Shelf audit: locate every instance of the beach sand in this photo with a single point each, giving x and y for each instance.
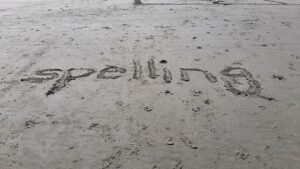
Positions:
(90, 84)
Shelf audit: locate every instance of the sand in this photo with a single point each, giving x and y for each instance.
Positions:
(171, 84)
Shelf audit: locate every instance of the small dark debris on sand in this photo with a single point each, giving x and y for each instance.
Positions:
(196, 92)
(148, 108)
(168, 92)
(243, 155)
(93, 125)
(279, 77)
(187, 142)
(106, 27)
(207, 101)
(170, 141)
(31, 123)
(163, 61)
(196, 109)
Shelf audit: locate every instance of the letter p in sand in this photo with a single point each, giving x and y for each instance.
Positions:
(68, 76)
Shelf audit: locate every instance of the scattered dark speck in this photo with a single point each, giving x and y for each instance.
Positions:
(196, 109)
(30, 123)
(163, 61)
(270, 99)
(243, 155)
(262, 107)
(70, 148)
(168, 92)
(106, 27)
(279, 77)
(55, 122)
(196, 92)
(170, 141)
(148, 108)
(93, 125)
(207, 101)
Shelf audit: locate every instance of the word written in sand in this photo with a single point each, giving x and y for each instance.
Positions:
(232, 76)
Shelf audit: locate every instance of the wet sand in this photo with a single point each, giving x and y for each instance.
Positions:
(89, 84)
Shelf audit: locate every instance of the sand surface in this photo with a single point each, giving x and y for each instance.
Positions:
(8, 4)
(172, 84)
